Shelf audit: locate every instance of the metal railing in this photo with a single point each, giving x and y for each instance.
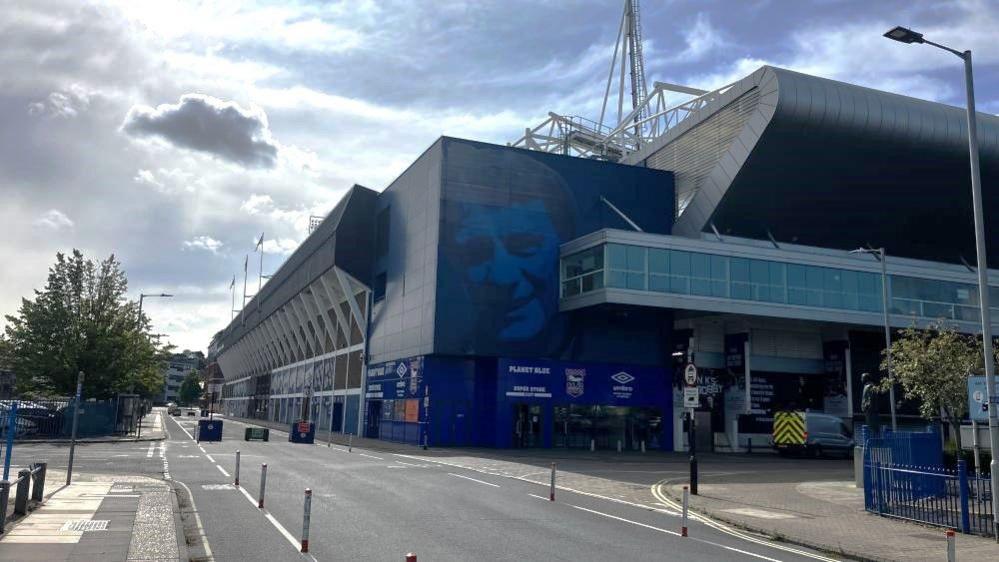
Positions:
(930, 495)
(33, 477)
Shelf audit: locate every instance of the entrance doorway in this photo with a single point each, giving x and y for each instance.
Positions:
(374, 417)
(527, 419)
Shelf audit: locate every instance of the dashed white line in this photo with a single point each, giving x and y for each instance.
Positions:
(222, 470)
(294, 542)
(149, 452)
(539, 497)
(209, 457)
(371, 456)
(473, 479)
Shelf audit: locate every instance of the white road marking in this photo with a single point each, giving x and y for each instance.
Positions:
(674, 533)
(222, 470)
(189, 436)
(473, 479)
(209, 457)
(539, 497)
(371, 456)
(152, 447)
(197, 519)
(277, 525)
(411, 464)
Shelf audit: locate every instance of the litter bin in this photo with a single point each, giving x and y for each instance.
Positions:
(209, 430)
(302, 432)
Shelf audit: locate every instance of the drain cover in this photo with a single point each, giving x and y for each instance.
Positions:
(85, 525)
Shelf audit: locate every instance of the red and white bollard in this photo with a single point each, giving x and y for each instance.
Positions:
(236, 472)
(306, 519)
(410, 557)
(686, 501)
(551, 491)
(263, 484)
(951, 547)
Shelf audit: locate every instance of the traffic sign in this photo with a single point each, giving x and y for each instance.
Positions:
(691, 397)
(690, 375)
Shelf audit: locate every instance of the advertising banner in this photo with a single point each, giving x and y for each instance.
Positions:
(581, 383)
(978, 399)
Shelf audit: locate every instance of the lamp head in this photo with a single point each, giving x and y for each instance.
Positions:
(904, 35)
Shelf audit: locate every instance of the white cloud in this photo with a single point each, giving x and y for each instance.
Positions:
(54, 219)
(282, 246)
(204, 243)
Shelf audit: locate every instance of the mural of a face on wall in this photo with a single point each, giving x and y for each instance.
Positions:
(503, 226)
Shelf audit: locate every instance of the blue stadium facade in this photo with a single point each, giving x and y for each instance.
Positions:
(499, 297)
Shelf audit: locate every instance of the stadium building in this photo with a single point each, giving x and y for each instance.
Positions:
(503, 296)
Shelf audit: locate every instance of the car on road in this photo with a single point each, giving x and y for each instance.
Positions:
(173, 409)
(811, 434)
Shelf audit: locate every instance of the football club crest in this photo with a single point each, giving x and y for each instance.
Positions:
(574, 379)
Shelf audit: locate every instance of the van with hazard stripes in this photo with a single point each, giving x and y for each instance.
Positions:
(811, 433)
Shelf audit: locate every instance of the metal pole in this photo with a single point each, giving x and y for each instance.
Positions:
(11, 430)
(983, 286)
(263, 484)
(305, 519)
(951, 550)
(76, 419)
(686, 502)
(350, 442)
(887, 304)
(237, 469)
(692, 439)
(551, 492)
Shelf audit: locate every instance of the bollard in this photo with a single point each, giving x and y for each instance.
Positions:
(551, 492)
(38, 481)
(643, 445)
(263, 484)
(410, 557)
(21, 495)
(593, 445)
(686, 501)
(4, 498)
(424, 441)
(237, 468)
(350, 442)
(619, 445)
(951, 548)
(305, 519)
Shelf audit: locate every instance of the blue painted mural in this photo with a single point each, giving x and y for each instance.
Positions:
(505, 212)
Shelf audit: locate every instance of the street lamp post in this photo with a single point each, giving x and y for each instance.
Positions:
(882, 256)
(904, 35)
(142, 297)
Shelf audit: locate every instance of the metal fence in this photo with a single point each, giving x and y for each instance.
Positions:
(903, 448)
(930, 495)
(53, 418)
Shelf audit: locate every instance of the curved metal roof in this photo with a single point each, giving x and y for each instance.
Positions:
(825, 163)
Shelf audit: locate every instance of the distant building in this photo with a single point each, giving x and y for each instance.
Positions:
(177, 368)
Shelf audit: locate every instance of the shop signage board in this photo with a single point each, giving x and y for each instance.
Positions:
(579, 383)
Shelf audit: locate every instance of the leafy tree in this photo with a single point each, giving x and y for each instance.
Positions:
(933, 366)
(190, 389)
(82, 321)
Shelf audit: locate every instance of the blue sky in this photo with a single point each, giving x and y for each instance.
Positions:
(173, 133)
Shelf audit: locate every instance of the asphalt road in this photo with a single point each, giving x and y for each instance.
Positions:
(371, 505)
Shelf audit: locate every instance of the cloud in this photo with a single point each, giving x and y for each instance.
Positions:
(282, 246)
(54, 219)
(208, 124)
(204, 243)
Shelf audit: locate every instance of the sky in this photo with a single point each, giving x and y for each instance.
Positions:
(173, 133)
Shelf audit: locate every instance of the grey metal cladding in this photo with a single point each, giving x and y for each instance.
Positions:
(344, 238)
(829, 163)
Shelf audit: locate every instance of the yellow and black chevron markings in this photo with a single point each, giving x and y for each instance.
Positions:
(789, 428)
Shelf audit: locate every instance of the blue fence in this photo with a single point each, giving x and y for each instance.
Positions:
(904, 477)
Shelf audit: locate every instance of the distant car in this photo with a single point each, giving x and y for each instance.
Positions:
(822, 434)
(192, 411)
(173, 409)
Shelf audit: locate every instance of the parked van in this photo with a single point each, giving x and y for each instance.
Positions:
(811, 433)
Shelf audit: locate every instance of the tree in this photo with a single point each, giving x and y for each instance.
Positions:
(933, 366)
(82, 321)
(190, 389)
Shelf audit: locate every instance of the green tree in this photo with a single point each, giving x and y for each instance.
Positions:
(82, 321)
(190, 389)
(932, 366)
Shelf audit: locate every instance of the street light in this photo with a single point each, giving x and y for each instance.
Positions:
(143, 296)
(882, 256)
(904, 35)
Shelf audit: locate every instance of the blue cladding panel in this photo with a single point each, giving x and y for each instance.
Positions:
(504, 214)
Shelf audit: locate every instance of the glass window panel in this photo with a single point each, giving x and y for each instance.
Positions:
(777, 294)
(813, 297)
(636, 258)
(739, 269)
(849, 281)
(719, 289)
(851, 301)
(832, 299)
(719, 268)
(870, 284)
(700, 287)
(678, 284)
(905, 306)
(832, 280)
(679, 262)
(570, 288)
(759, 271)
(813, 277)
(742, 291)
(938, 310)
(636, 281)
(870, 303)
(593, 281)
(761, 292)
(658, 260)
(700, 266)
(617, 255)
(969, 313)
(659, 283)
(617, 279)
(777, 274)
(796, 276)
(797, 296)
